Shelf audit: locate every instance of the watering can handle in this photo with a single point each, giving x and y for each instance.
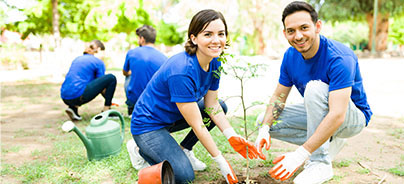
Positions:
(122, 122)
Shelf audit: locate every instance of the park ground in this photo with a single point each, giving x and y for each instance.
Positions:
(32, 114)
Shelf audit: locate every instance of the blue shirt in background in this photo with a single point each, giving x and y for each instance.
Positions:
(143, 62)
(180, 79)
(334, 64)
(82, 71)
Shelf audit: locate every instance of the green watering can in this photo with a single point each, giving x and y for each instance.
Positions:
(104, 136)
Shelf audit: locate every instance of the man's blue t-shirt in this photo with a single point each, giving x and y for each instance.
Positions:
(82, 71)
(334, 64)
(143, 62)
(180, 79)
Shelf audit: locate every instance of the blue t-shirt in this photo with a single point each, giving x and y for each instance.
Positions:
(334, 64)
(180, 79)
(143, 62)
(83, 70)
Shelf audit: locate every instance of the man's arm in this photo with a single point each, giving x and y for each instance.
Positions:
(276, 104)
(126, 73)
(338, 104)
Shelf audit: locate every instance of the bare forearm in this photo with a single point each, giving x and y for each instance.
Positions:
(206, 139)
(274, 109)
(324, 131)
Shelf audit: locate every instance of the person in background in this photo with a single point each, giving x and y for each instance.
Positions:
(140, 65)
(169, 103)
(327, 75)
(85, 80)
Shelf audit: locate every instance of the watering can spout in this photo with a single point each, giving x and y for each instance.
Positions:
(68, 126)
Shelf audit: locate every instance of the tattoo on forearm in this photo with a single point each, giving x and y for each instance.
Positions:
(277, 110)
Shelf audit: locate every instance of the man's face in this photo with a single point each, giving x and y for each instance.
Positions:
(302, 33)
(141, 41)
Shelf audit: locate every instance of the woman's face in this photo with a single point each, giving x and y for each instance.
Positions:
(210, 41)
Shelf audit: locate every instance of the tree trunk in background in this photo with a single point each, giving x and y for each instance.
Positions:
(382, 31)
(55, 22)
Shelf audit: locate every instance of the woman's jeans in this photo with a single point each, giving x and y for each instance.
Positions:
(157, 146)
(95, 87)
(298, 122)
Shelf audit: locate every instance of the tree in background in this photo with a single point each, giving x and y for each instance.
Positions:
(359, 10)
(90, 19)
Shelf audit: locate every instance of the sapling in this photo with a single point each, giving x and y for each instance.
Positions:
(242, 71)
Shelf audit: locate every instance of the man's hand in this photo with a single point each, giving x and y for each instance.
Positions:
(226, 169)
(287, 164)
(240, 145)
(263, 139)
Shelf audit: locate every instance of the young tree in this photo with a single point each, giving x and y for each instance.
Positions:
(242, 71)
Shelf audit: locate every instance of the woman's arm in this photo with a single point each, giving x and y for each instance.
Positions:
(215, 111)
(192, 115)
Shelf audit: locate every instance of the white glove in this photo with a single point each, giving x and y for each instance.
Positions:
(226, 169)
(260, 118)
(287, 164)
(263, 138)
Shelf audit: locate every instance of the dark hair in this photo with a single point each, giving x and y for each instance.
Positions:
(147, 32)
(198, 23)
(93, 46)
(299, 6)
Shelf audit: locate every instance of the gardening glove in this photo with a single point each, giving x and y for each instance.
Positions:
(226, 169)
(287, 164)
(239, 144)
(263, 139)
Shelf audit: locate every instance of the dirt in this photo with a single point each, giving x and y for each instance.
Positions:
(30, 112)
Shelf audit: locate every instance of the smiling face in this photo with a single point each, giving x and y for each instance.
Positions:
(302, 33)
(210, 41)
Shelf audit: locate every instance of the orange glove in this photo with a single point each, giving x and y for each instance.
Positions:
(226, 169)
(263, 139)
(240, 145)
(287, 164)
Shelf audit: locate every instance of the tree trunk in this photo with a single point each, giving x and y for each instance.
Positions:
(55, 22)
(382, 31)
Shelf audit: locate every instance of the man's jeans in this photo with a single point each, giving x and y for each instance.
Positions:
(298, 122)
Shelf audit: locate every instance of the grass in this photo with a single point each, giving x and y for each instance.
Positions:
(343, 163)
(66, 160)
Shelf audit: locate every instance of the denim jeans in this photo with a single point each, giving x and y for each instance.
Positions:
(95, 87)
(298, 122)
(157, 146)
(129, 103)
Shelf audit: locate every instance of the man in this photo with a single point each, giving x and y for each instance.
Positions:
(326, 73)
(140, 65)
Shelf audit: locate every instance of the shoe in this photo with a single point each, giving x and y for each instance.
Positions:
(315, 173)
(73, 114)
(138, 162)
(335, 146)
(197, 165)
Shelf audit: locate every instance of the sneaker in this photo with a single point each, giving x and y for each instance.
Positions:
(315, 173)
(197, 165)
(138, 162)
(335, 146)
(73, 114)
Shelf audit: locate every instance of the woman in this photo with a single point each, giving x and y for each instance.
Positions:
(85, 80)
(172, 95)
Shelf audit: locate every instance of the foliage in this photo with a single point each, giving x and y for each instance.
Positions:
(396, 33)
(93, 19)
(168, 34)
(350, 33)
(342, 10)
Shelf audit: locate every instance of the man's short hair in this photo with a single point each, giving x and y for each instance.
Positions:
(147, 32)
(296, 6)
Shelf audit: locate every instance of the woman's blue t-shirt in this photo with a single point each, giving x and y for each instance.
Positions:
(82, 71)
(334, 64)
(180, 79)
